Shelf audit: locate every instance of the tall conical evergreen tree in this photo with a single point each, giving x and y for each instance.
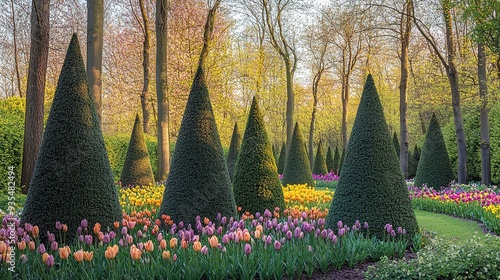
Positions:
(329, 160)
(282, 159)
(434, 167)
(275, 153)
(234, 150)
(319, 161)
(337, 160)
(72, 179)
(413, 159)
(297, 167)
(198, 183)
(137, 169)
(256, 183)
(395, 142)
(372, 187)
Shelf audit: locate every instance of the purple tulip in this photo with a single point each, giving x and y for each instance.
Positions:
(27, 238)
(28, 227)
(140, 246)
(289, 235)
(84, 223)
(223, 220)
(88, 239)
(365, 225)
(124, 230)
(50, 261)
(400, 230)
(248, 249)
(277, 245)
(139, 234)
(324, 233)
(41, 249)
(54, 246)
(58, 225)
(334, 239)
(297, 232)
(340, 224)
(51, 236)
(219, 230)
(341, 232)
(120, 243)
(79, 230)
(393, 233)
(159, 237)
(112, 235)
(204, 250)
(81, 238)
(218, 217)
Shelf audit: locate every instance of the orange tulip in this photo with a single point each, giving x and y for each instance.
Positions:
(135, 253)
(64, 252)
(21, 245)
(97, 228)
(3, 247)
(149, 246)
(197, 246)
(246, 236)
(116, 224)
(184, 244)
(88, 255)
(257, 234)
(31, 245)
(35, 231)
(259, 227)
(78, 255)
(44, 257)
(206, 221)
(111, 252)
(173, 243)
(166, 255)
(163, 244)
(65, 227)
(214, 242)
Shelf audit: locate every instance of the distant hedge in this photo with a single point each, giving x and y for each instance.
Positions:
(11, 138)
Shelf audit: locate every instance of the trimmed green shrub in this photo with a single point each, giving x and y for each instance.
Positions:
(137, 166)
(337, 160)
(72, 179)
(342, 157)
(282, 159)
(117, 146)
(256, 183)
(297, 167)
(198, 182)
(434, 168)
(395, 142)
(413, 158)
(11, 139)
(494, 118)
(234, 150)
(319, 161)
(472, 129)
(329, 159)
(372, 188)
(275, 154)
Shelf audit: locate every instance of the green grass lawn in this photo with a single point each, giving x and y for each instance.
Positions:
(446, 226)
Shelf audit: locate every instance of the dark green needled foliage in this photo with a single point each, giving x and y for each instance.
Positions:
(234, 150)
(275, 154)
(395, 142)
(137, 169)
(337, 160)
(372, 188)
(413, 159)
(256, 183)
(329, 159)
(198, 182)
(297, 167)
(282, 159)
(72, 179)
(320, 162)
(434, 167)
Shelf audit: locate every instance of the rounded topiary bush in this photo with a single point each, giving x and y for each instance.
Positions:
(297, 168)
(256, 183)
(72, 179)
(320, 162)
(11, 138)
(372, 188)
(198, 182)
(234, 150)
(434, 168)
(329, 159)
(137, 169)
(282, 159)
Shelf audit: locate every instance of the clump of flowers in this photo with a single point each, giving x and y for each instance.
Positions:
(141, 197)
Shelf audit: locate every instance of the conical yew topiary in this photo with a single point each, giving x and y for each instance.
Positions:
(234, 150)
(198, 182)
(297, 167)
(137, 169)
(256, 183)
(319, 161)
(413, 159)
(282, 159)
(72, 179)
(329, 159)
(395, 142)
(275, 154)
(434, 167)
(337, 160)
(372, 188)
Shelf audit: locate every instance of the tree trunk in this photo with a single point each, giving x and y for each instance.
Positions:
(35, 92)
(161, 89)
(145, 66)
(485, 129)
(455, 96)
(95, 21)
(316, 80)
(345, 103)
(290, 103)
(406, 23)
(16, 60)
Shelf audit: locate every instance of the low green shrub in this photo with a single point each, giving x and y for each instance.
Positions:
(477, 258)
